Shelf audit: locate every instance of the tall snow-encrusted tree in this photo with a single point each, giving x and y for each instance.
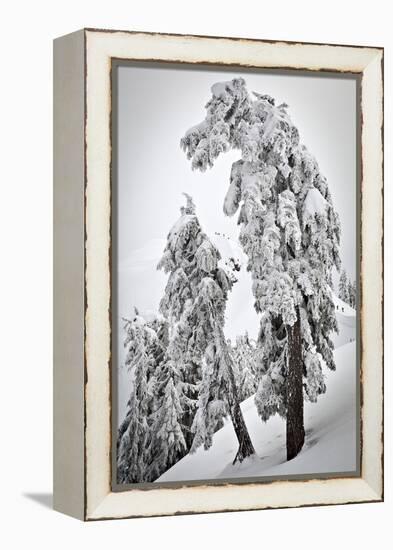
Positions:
(194, 303)
(290, 233)
(133, 443)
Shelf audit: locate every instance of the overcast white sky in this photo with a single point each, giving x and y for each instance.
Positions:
(156, 107)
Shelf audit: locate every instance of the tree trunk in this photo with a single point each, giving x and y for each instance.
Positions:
(186, 421)
(295, 417)
(189, 411)
(246, 447)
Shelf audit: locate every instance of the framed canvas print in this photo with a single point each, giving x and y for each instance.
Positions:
(218, 274)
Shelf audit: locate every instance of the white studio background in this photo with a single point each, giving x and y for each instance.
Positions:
(26, 285)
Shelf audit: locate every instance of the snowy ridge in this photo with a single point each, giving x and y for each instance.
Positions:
(331, 422)
(346, 319)
(143, 258)
(342, 308)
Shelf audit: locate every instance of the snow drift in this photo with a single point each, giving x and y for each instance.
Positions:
(330, 444)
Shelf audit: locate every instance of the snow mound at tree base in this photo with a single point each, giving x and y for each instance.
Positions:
(330, 444)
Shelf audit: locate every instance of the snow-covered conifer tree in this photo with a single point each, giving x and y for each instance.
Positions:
(194, 303)
(245, 360)
(133, 444)
(347, 289)
(343, 293)
(167, 444)
(290, 233)
(177, 306)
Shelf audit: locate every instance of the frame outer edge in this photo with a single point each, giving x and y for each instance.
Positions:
(68, 271)
(101, 502)
(372, 272)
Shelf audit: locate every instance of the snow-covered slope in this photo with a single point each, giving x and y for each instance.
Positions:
(346, 319)
(330, 429)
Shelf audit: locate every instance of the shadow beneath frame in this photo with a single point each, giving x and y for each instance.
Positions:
(44, 499)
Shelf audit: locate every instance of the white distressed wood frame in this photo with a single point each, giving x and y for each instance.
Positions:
(82, 449)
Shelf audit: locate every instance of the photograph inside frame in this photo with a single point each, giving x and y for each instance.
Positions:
(234, 274)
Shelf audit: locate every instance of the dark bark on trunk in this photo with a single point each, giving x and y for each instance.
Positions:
(246, 447)
(295, 415)
(186, 421)
(189, 411)
(187, 433)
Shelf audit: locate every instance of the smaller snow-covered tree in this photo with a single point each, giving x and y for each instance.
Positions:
(166, 444)
(194, 302)
(177, 305)
(245, 360)
(343, 287)
(167, 440)
(347, 289)
(212, 405)
(133, 436)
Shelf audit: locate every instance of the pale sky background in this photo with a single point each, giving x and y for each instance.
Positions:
(155, 108)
